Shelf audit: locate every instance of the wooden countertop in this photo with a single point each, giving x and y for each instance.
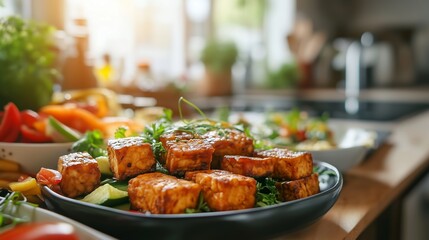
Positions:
(373, 186)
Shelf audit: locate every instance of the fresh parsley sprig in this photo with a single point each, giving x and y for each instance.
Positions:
(266, 193)
(92, 142)
(152, 134)
(201, 206)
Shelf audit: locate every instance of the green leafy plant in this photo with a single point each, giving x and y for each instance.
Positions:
(219, 56)
(26, 63)
(286, 76)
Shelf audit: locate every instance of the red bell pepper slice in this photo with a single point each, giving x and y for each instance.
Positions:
(10, 123)
(30, 135)
(29, 117)
(29, 131)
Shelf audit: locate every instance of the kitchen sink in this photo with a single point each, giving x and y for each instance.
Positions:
(371, 111)
(368, 110)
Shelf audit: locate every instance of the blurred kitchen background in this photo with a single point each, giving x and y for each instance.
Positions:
(160, 49)
(245, 54)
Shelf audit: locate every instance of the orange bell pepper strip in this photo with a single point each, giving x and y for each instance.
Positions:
(76, 118)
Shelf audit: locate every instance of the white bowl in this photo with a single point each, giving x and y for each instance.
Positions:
(37, 214)
(342, 158)
(354, 144)
(33, 156)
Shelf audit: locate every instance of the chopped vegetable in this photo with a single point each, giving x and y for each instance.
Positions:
(59, 132)
(121, 185)
(28, 186)
(103, 165)
(32, 130)
(29, 117)
(10, 123)
(48, 177)
(29, 135)
(107, 195)
(75, 118)
(41, 230)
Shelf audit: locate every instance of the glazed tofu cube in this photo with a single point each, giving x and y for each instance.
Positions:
(224, 190)
(167, 139)
(248, 166)
(175, 136)
(188, 155)
(301, 188)
(289, 165)
(159, 193)
(228, 142)
(80, 174)
(129, 157)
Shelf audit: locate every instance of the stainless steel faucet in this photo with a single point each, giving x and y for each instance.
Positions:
(354, 74)
(353, 77)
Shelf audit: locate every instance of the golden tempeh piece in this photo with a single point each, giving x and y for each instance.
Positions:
(159, 193)
(228, 142)
(129, 157)
(80, 174)
(188, 155)
(301, 188)
(175, 136)
(224, 190)
(289, 165)
(248, 166)
(167, 139)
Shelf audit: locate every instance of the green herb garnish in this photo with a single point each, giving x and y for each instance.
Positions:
(182, 99)
(324, 171)
(92, 142)
(201, 206)
(266, 193)
(121, 132)
(223, 113)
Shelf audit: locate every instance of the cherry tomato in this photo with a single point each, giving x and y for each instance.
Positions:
(300, 135)
(41, 231)
(30, 135)
(48, 177)
(10, 123)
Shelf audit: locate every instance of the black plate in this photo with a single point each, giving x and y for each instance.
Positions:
(255, 223)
